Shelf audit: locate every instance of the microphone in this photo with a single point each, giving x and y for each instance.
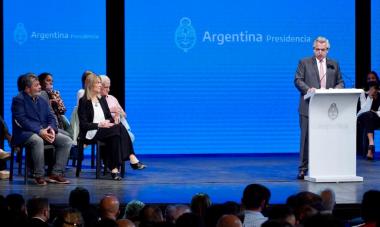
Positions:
(330, 66)
(349, 82)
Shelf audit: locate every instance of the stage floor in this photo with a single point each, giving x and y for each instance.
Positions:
(175, 179)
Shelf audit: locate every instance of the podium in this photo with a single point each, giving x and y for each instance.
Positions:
(332, 135)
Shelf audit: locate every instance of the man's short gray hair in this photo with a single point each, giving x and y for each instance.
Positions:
(321, 39)
(29, 79)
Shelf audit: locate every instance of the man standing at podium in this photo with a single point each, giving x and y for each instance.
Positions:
(317, 72)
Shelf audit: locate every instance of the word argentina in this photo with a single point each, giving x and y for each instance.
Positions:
(61, 35)
(246, 37)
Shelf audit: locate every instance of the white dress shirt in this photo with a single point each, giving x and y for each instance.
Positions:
(98, 117)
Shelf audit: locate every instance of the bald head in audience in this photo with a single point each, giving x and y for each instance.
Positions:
(125, 223)
(109, 207)
(229, 220)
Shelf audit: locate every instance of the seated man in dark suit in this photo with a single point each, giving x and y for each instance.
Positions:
(38, 211)
(33, 125)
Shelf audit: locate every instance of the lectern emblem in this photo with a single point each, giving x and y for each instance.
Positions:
(20, 35)
(185, 35)
(333, 111)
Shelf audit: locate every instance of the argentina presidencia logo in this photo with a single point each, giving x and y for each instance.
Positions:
(19, 34)
(185, 37)
(333, 111)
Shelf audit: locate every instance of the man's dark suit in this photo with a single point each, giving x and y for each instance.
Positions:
(30, 117)
(307, 76)
(36, 222)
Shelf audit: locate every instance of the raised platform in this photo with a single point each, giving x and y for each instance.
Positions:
(175, 179)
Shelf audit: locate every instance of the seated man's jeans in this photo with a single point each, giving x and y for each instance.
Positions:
(62, 144)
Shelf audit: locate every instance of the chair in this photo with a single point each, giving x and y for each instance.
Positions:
(95, 148)
(27, 160)
(74, 133)
(74, 156)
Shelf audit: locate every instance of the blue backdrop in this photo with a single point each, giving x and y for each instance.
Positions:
(375, 35)
(217, 76)
(201, 76)
(64, 38)
(375, 45)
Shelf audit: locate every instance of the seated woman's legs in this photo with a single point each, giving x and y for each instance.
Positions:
(111, 138)
(112, 154)
(128, 151)
(370, 121)
(119, 146)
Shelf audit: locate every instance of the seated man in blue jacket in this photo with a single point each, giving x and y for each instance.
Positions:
(33, 126)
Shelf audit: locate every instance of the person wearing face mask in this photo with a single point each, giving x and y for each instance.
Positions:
(316, 72)
(369, 112)
(54, 98)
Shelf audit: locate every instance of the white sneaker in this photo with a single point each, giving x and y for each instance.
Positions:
(4, 155)
(4, 174)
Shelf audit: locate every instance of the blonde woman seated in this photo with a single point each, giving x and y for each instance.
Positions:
(117, 111)
(96, 123)
(74, 120)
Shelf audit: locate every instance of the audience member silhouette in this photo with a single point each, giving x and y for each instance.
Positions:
(255, 200)
(370, 208)
(132, 211)
(109, 211)
(80, 199)
(39, 212)
(275, 223)
(17, 214)
(319, 220)
(190, 220)
(68, 218)
(125, 223)
(308, 206)
(200, 203)
(229, 220)
(282, 214)
(328, 201)
(150, 215)
(305, 204)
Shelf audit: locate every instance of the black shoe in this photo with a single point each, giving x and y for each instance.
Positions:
(301, 175)
(138, 166)
(371, 151)
(116, 176)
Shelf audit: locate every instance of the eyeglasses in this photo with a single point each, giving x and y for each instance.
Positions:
(322, 50)
(73, 224)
